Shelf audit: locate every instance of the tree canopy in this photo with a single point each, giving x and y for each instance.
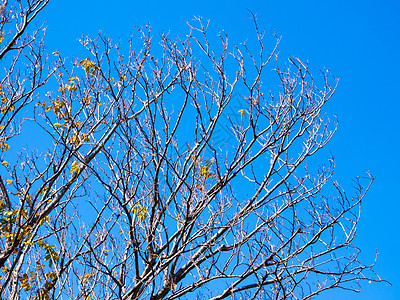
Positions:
(168, 169)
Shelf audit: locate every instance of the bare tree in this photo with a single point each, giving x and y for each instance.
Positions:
(168, 171)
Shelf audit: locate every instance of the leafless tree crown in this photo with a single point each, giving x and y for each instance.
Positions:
(167, 171)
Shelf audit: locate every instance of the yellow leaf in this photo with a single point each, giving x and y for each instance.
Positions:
(4, 163)
(88, 65)
(139, 211)
(3, 145)
(72, 79)
(85, 137)
(242, 113)
(71, 87)
(75, 168)
(87, 100)
(42, 190)
(74, 139)
(6, 108)
(9, 181)
(62, 89)
(179, 221)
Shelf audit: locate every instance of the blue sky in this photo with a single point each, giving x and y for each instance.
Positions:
(357, 40)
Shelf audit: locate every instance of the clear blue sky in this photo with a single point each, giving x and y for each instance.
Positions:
(358, 40)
